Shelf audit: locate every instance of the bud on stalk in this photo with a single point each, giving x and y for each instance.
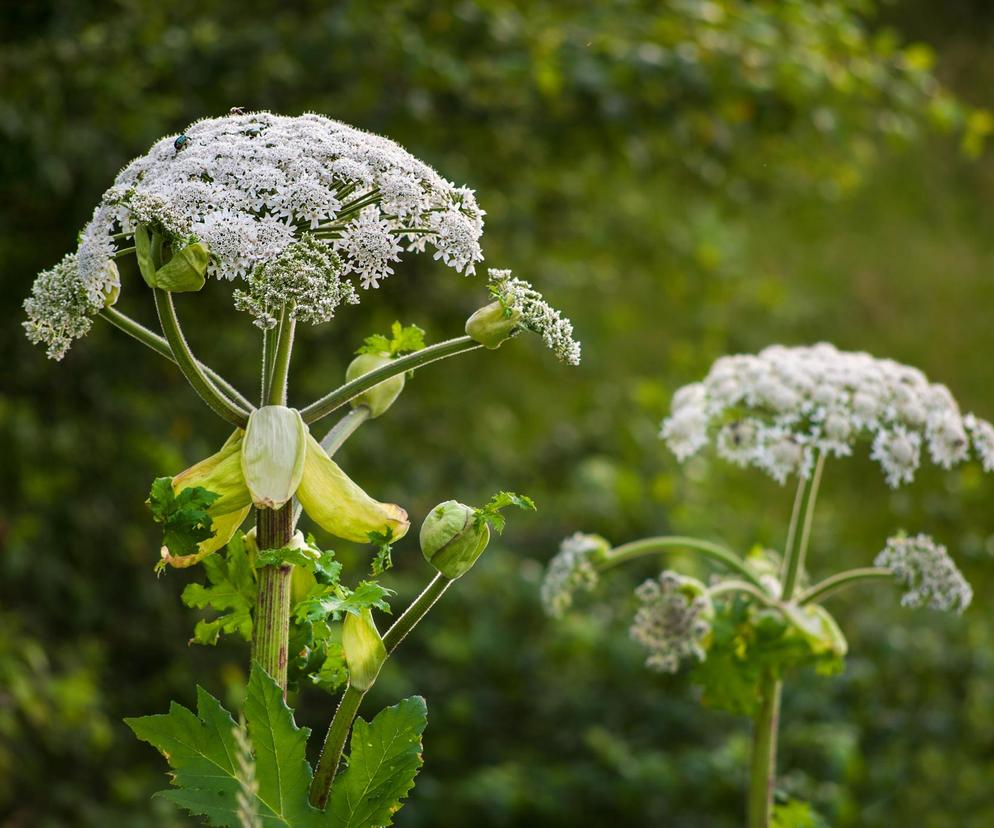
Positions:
(382, 395)
(452, 538)
(364, 649)
(492, 324)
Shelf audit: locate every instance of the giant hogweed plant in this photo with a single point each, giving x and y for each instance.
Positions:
(295, 210)
(785, 411)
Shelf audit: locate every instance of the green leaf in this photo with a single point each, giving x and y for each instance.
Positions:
(384, 758)
(231, 590)
(490, 513)
(796, 814)
(338, 599)
(201, 750)
(384, 554)
(403, 339)
(184, 517)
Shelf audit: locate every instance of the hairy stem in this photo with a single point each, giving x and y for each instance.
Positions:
(838, 582)
(271, 627)
(341, 395)
(651, 546)
(158, 344)
(762, 772)
(348, 707)
(281, 359)
(188, 364)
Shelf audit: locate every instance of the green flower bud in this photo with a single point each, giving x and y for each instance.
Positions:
(492, 324)
(273, 453)
(185, 271)
(452, 538)
(381, 396)
(113, 278)
(143, 253)
(363, 648)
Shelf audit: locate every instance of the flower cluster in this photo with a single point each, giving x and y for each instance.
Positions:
(536, 315)
(248, 185)
(673, 620)
(61, 306)
(305, 277)
(574, 568)
(930, 575)
(777, 409)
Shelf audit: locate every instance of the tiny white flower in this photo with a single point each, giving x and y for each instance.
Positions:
(930, 575)
(672, 621)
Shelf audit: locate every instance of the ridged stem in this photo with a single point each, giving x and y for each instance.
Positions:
(271, 627)
(762, 774)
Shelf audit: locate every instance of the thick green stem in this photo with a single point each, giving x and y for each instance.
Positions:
(160, 346)
(838, 582)
(763, 769)
(188, 364)
(341, 395)
(271, 624)
(348, 707)
(794, 559)
(281, 359)
(651, 546)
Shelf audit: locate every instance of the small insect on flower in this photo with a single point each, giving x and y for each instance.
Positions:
(932, 578)
(777, 410)
(673, 621)
(572, 570)
(236, 110)
(181, 141)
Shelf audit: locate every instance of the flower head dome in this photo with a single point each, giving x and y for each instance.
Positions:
(777, 409)
(266, 194)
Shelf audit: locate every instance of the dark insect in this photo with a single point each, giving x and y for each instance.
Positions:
(181, 141)
(236, 110)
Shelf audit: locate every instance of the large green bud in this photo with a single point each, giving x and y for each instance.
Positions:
(364, 649)
(492, 324)
(452, 538)
(382, 395)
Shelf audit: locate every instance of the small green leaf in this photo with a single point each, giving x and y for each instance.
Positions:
(231, 590)
(338, 600)
(184, 517)
(796, 814)
(490, 513)
(383, 560)
(384, 758)
(403, 339)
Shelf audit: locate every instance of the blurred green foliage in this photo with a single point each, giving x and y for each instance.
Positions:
(685, 179)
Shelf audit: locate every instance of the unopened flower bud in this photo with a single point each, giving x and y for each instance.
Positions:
(492, 324)
(364, 649)
(185, 271)
(111, 278)
(273, 453)
(382, 395)
(452, 538)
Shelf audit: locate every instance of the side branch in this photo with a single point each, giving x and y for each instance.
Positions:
(836, 583)
(188, 364)
(138, 331)
(652, 546)
(341, 395)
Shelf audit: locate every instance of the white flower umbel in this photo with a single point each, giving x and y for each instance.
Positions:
(673, 620)
(305, 277)
(572, 570)
(930, 575)
(775, 410)
(62, 306)
(249, 185)
(537, 315)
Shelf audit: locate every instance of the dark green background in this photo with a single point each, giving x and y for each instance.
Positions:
(658, 169)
